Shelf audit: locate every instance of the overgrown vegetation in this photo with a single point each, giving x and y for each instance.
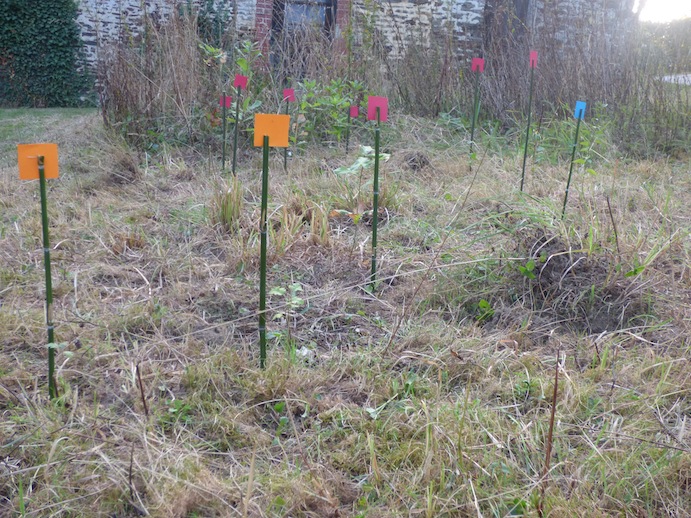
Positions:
(166, 86)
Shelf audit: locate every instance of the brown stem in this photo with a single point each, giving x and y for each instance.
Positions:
(141, 391)
(548, 453)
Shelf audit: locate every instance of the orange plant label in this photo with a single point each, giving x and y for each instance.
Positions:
(27, 157)
(275, 127)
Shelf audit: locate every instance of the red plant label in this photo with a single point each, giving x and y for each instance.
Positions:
(374, 102)
(477, 65)
(289, 95)
(225, 100)
(240, 82)
(354, 112)
(533, 59)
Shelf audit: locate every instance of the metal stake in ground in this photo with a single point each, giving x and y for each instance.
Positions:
(32, 165)
(375, 205)
(477, 66)
(235, 131)
(353, 113)
(579, 113)
(263, 229)
(225, 102)
(52, 390)
(533, 66)
(269, 130)
(376, 110)
(348, 130)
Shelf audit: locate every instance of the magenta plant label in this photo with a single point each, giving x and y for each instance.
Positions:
(533, 59)
(225, 100)
(374, 102)
(579, 112)
(477, 65)
(354, 112)
(289, 95)
(240, 82)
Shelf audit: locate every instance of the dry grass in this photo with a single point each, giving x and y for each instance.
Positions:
(450, 420)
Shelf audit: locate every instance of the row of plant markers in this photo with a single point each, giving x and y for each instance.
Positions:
(40, 162)
(378, 107)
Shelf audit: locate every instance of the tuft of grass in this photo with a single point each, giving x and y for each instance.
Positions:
(227, 205)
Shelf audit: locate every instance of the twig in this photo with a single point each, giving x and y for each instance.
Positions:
(129, 475)
(548, 453)
(614, 226)
(250, 484)
(141, 391)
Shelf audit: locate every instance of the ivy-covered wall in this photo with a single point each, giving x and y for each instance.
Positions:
(40, 54)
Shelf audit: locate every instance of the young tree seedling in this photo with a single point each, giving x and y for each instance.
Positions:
(240, 84)
(477, 66)
(353, 112)
(288, 97)
(224, 101)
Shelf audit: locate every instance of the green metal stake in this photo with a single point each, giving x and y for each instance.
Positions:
(235, 136)
(263, 224)
(225, 125)
(476, 109)
(52, 389)
(375, 207)
(285, 149)
(527, 131)
(348, 132)
(573, 157)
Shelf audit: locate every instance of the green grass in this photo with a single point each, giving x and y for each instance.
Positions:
(430, 397)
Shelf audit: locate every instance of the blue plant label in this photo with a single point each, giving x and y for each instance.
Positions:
(579, 112)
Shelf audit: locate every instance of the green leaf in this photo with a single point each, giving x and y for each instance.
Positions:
(636, 271)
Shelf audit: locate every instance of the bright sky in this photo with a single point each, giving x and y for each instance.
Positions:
(665, 10)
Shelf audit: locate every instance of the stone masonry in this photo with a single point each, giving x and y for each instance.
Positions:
(391, 24)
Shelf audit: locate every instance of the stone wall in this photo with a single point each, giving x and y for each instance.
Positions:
(395, 24)
(108, 21)
(390, 25)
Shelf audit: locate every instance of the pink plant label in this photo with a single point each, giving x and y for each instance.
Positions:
(533, 59)
(225, 100)
(374, 102)
(240, 82)
(289, 95)
(477, 65)
(354, 112)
